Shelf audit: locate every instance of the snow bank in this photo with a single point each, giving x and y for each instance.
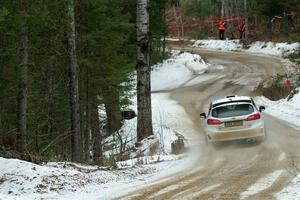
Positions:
(276, 49)
(22, 180)
(268, 48)
(284, 109)
(222, 45)
(176, 71)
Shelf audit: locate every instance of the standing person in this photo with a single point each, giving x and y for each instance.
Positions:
(242, 30)
(222, 27)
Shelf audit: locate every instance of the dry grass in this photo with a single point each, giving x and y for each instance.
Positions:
(2, 179)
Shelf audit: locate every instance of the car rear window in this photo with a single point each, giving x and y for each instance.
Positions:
(232, 110)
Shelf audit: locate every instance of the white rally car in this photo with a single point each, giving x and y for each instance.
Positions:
(234, 118)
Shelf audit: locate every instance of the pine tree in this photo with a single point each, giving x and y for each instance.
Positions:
(106, 64)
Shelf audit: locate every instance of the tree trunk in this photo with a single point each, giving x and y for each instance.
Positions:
(222, 9)
(50, 100)
(165, 33)
(182, 27)
(177, 22)
(284, 24)
(113, 111)
(225, 9)
(22, 97)
(88, 129)
(270, 27)
(246, 20)
(144, 121)
(74, 91)
(97, 136)
(225, 13)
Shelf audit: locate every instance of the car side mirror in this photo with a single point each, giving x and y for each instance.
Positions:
(203, 115)
(262, 108)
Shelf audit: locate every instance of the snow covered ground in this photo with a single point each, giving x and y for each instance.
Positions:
(22, 180)
(285, 109)
(268, 48)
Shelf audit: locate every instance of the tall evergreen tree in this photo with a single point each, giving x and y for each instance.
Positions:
(105, 50)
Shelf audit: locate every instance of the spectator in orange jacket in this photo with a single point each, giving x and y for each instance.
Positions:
(222, 27)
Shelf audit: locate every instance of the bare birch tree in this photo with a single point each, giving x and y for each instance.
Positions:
(144, 119)
(74, 91)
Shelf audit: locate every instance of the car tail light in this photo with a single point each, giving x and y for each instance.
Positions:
(214, 122)
(253, 117)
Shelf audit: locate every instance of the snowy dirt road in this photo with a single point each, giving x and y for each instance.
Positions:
(232, 170)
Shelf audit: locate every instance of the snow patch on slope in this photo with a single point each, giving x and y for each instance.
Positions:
(284, 109)
(177, 70)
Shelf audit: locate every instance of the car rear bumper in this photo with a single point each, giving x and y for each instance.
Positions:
(257, 133)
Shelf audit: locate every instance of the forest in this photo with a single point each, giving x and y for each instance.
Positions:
(62, 61)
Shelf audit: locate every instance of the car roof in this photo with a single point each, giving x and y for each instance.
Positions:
(230, 99)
